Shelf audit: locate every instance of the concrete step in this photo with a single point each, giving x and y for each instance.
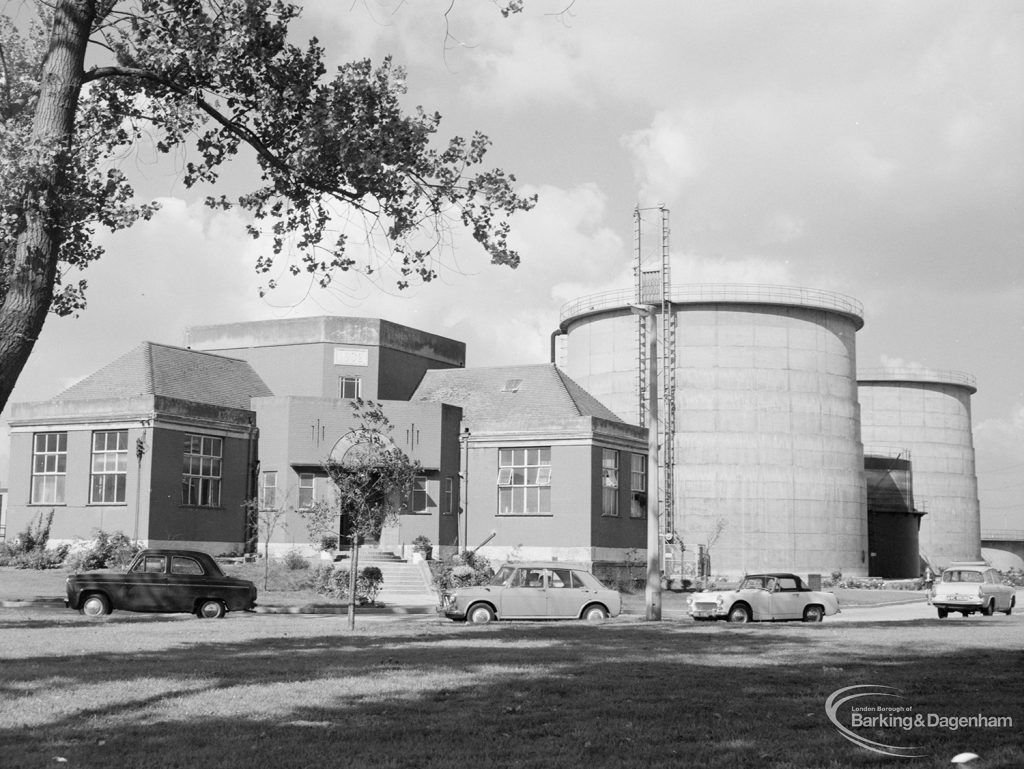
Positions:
(404, 582)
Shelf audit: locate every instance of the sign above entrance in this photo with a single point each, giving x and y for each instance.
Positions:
(351, 356)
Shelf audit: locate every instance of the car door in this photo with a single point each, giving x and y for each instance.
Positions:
(188, 583)
(144, 584)
(994, 586)
(525, 596)
(566, 595)
(787, 600)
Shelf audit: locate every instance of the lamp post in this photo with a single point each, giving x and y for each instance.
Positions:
(652, 592)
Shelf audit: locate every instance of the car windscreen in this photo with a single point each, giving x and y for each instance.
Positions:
(962, 576)
(502, 577)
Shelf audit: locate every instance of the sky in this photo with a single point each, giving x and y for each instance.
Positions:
(873, 148)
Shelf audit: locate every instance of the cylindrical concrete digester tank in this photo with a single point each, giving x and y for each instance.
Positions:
(929, 412)
(767, 431)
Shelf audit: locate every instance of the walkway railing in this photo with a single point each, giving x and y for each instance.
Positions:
(725, 292)
(907, 374)
(1003, 535)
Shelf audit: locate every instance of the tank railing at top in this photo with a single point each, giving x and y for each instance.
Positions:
(725, 292)
(1003, 535)
(888, 452)
(908, 374)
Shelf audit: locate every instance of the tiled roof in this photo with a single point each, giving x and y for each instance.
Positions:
(173, 372)
(536, 392)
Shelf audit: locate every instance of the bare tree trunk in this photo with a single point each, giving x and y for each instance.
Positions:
(33, 268)
(352, 577)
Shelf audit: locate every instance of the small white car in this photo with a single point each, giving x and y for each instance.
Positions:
(764, 597)
(534, 591)
(971, 586)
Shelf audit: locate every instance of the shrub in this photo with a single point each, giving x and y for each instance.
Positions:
(294, 560)
(103, 551)
(325, 579)
(1013, 577)
(368, 584)
(333, 583)
(30, 548)
(464, 570)
(329, 542)
(833, 579)
(422, 544)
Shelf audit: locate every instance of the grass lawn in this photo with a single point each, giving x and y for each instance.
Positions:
(300, 691)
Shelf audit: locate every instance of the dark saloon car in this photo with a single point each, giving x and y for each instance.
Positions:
(169, 581)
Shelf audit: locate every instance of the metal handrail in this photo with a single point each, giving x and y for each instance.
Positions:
(908, 374)
(1012, 535)
(724, 292)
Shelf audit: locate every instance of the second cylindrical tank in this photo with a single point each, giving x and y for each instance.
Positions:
(929, 413)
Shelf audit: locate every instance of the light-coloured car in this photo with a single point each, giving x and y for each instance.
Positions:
(971, 586)
(764, 597)
(534, 591)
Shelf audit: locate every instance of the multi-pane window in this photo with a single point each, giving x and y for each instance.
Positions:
(609, 482)
(49, 468)
(449, 496)
(420, 500)
(201, 471)
(109, 467)
(306, 496)
(524, 481)
(349, 387)
(638, 486)
(268, 490)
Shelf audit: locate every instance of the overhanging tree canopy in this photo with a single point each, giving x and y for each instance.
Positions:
(214, 76)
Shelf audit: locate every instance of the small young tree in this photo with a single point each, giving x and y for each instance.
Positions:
(371, 478)
(264, 522)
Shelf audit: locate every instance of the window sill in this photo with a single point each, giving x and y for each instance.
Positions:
(524, 515)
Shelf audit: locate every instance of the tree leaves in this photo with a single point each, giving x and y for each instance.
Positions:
(208, 77)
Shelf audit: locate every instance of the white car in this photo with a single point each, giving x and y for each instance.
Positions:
(762, 597)
(971, 586)
(534, 591)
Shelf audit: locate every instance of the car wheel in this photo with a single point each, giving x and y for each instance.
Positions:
(988, 609)
(740, 613)
(210, 609)
(1009, 609)
(95, 605)
(595, 613)
(480, 614)
(814, 613)
(943, 613)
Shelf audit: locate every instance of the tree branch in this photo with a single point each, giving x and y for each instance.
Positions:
(243, 133)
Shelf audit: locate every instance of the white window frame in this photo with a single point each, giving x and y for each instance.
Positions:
(307, 488)
(449, 496)
(202, 473)
(356, 381)
(610, 483)
(419, 498)
(49, 468)
(638, 486)
(109, 464)
(268, 490)
(524, 480)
